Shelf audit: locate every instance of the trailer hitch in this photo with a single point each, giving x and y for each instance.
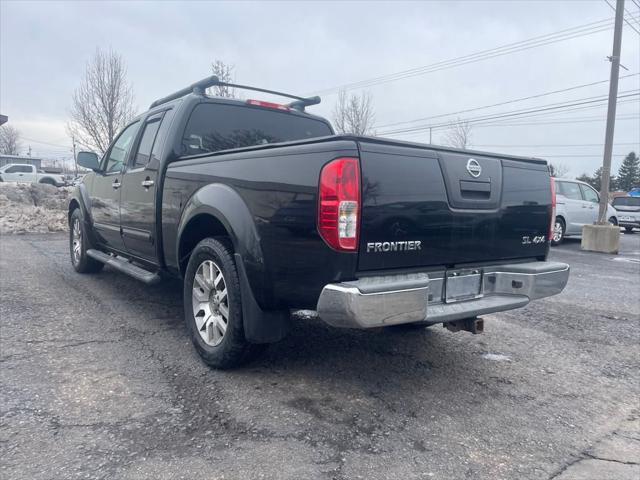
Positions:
(473, 325)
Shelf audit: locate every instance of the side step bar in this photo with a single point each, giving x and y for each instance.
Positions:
(125, 266)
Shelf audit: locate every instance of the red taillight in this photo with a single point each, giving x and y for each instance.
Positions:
(339, 204)
(553, 208)
(276, 106)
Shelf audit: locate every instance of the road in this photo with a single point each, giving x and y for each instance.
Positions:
(98, 380)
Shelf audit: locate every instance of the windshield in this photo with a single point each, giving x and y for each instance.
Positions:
(213, 127)
(626, 202)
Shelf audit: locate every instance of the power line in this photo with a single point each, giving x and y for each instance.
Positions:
(515, 100)
(542, 155)
(625, 20)
(572, 145)
(514, 113)
(46, 143)
(541, 40)
(561, 121)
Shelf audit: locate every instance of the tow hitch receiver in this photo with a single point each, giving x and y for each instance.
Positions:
(473, 325)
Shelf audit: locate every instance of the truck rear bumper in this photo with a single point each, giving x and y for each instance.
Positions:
(421, 297)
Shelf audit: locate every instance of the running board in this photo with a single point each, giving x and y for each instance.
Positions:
(125, 266)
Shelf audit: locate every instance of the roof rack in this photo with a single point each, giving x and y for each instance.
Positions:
(200, 87)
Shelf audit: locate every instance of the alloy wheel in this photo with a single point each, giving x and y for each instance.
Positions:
(210, 303)
(76, 238)
(557, 231)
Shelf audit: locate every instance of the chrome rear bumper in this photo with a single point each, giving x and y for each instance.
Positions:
(420, 297)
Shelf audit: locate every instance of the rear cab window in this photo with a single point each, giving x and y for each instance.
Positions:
(143, 155)
(213, 127)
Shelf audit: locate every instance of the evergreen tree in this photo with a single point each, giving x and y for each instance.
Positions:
(596, 180)
(629, 172)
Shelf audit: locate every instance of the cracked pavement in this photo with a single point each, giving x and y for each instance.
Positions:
(98, 379)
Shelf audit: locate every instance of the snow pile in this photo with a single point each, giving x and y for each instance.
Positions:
(33, 208)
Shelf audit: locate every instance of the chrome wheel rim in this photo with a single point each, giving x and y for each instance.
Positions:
(210, 303)
(557, 232)
(76, 241)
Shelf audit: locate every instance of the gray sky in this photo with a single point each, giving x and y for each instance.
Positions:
(306, 47)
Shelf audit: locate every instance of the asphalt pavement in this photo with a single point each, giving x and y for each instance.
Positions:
(98, 380)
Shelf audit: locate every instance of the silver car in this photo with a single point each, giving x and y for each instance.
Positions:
(576, 206)
(628, 209)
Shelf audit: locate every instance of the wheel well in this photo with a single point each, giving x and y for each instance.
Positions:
(562, 220)
(72, 206)
(199, 228)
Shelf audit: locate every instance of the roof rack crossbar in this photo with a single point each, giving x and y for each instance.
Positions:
(197, 88)
(200, 87)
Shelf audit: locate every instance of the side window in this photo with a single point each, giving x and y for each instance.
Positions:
(14, 169)
(146, 142)
(27, 169)
(119, 152)
(589, 194)
(570, 190)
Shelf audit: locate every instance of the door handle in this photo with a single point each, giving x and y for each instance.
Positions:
(147, 183)
(115, 184)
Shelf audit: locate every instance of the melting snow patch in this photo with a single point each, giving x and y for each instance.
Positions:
(496, 357)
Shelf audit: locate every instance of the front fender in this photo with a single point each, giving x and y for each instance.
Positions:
(81, 196)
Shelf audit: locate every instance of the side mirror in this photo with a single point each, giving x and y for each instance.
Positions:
(89, 160)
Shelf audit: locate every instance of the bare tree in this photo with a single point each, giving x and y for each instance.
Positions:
(103, 103)
(458, 135)
(224, 72)
(354, 113)
(9, 140)
(558, 169)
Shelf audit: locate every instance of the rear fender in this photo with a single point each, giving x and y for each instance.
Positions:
(225, 204)
(262, 323)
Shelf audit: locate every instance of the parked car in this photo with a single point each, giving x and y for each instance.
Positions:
(259, 208)
(634, 192)
(25, 173)
(628, 209)
(577, 204)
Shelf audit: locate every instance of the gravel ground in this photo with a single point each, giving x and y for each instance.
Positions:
(98, 380)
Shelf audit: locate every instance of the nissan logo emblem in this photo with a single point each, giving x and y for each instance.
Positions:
(474, 168)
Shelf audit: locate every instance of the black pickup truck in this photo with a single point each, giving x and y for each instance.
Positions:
(260, 208)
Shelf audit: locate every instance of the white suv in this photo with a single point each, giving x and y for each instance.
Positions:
(576, 205)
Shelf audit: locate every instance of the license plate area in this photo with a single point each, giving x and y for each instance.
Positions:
(463, 285)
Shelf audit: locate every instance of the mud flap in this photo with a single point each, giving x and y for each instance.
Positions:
(259, 326)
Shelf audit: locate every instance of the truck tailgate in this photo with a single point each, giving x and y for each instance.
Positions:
(423, 207)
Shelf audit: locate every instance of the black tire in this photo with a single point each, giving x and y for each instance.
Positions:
(628, 229)
(560, 225)
(233, 350)
(82, 263)
(613, 221)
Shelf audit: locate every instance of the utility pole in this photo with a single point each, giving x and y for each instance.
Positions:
(75, 160)
(430, 129)
(611, 113)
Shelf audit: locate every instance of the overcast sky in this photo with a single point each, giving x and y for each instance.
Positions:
(307, 47)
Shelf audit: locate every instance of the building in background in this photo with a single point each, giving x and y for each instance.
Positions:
(24, 159)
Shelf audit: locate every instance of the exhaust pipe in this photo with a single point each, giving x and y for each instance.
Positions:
(472, 325)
